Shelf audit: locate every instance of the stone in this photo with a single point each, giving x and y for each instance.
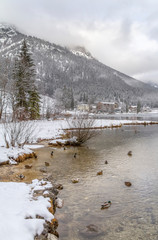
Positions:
(75, 180)
(28, 166)
(59, 202)
(46, 164)
(4, 163)
(35, 155)
(128, 184)
(91, 231)
(44, 170)
(51, 237)
(59, 186)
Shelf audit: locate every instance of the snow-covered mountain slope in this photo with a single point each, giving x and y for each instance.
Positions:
(59, 67)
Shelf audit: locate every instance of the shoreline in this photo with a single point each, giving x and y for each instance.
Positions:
(51, 228)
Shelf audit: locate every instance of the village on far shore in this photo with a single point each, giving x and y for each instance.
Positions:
(112, 107)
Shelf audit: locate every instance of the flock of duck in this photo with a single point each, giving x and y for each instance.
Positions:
(106, 204)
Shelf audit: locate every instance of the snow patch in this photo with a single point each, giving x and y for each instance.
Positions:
(17, 206)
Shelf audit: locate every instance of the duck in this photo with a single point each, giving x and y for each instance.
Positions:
(100, 173)
(21, 176)
(129, 153)
(106, 205)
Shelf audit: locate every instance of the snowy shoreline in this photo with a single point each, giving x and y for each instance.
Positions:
(52, 130)
(20, 217)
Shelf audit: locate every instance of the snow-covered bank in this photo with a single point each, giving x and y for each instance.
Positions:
(18, 210)
(8, 154)
(53, 129)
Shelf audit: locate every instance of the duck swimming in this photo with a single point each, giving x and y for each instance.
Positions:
(106, 205)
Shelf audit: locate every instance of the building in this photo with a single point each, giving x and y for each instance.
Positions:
(107, 107)
(83, 107)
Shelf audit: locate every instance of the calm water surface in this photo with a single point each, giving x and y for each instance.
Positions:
(134, 210)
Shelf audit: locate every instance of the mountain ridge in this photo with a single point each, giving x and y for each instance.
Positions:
(74, 68)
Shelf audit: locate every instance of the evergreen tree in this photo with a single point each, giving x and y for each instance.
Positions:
(27, 97)
(72, 100)
(34, 101)
(138, 106)
(127, 108)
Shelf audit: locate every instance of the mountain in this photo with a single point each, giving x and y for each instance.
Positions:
(60, 67)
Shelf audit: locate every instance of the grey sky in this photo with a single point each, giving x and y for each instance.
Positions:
(123, 34)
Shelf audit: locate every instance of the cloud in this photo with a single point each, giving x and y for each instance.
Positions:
(120, 33)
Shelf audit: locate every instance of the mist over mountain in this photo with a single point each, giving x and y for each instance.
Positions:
(59, 67)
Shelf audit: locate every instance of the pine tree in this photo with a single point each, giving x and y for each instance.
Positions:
(27, 97)
(34, 101)
(72, 100)
(138, 106)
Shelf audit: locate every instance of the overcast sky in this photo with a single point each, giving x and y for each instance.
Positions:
(122, 34)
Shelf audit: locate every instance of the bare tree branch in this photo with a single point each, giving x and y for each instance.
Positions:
(82, 128)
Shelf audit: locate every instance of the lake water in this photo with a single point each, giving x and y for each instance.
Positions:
(134, 211)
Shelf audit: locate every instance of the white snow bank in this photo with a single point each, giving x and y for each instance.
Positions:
(63, 141)
(9, 153)
(44, 129)
(34, 146)
(16, 204)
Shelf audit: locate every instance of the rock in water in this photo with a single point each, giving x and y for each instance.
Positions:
(59, 202)
(51, 237)
(75, 180)
(28, 166)
(46, 164)
(91, 231)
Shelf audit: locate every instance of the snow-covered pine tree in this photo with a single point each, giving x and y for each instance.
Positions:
(27, 96)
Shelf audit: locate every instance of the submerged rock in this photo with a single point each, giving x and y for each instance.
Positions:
(46, 164)
(91, 231)
(75, 180)
(51, 237)
(59, 186)
(28, 166)
(43, 170)
(59, 202)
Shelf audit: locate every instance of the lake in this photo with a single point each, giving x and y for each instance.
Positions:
(133, 213)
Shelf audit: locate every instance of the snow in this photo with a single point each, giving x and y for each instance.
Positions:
(18, 204)
(44, 129)
(35, 146)
(9, 153)
(18, 210)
